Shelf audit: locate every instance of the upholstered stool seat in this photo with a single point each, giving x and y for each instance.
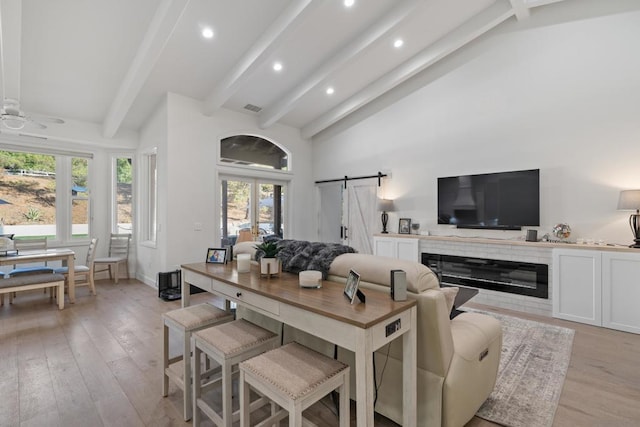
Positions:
(294, 377)
(186, 321)
(227, 344)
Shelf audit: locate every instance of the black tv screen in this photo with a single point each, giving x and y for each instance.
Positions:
(503, 200)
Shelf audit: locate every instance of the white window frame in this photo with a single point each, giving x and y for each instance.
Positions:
(114, 190)
(64, 198)
(87, 197)
(272, 176)
(149, 193)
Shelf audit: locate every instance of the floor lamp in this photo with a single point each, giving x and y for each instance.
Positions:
(385, 205)
(630, 200)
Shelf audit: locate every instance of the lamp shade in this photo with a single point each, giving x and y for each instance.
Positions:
(629, 200)
(385, 205)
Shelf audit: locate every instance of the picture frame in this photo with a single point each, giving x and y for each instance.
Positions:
(404, 226)
(216, 256)
(351, 286)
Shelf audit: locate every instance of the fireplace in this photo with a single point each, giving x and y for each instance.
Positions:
(514, 277)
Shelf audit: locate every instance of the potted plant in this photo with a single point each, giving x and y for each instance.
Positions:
(269, 263)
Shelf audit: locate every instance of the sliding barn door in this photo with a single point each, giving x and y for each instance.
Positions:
(330, 212)
(359, 212)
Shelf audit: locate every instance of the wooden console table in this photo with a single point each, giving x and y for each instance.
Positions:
(325, 313)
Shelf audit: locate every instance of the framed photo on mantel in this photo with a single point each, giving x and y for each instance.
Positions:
(404, 226)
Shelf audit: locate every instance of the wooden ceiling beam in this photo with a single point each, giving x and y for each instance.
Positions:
(454, 40)
(521, 9)
(272, 38)
(162, 25)
(394, 17)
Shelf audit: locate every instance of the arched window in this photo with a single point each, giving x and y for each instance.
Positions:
(253, 151)
(252, 204)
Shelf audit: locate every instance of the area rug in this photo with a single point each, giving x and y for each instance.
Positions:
(533, 365)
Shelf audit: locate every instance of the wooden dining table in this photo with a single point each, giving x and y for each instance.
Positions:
(45, 255)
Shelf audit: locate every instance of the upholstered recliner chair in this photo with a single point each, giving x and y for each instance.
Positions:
(457, 359)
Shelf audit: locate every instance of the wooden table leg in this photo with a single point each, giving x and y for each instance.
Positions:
(60, 290)
(364, 385)
(410, 372)
(71, 278)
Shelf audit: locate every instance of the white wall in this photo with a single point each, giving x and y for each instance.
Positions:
(150, 260)
(189, 186)
(562, 98)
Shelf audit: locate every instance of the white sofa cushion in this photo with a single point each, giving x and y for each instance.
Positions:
(372, 270)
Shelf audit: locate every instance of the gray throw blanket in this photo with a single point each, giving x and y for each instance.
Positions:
(300, 255)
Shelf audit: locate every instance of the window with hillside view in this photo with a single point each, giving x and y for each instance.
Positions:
(79, 198)
(33, 184)
(124, 181)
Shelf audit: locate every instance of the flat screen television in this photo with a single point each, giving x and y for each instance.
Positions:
(502, 201)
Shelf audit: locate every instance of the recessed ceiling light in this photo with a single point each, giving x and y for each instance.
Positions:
(330, 90)
(277, 66)
(348, 3)
(207, 33)
(398, 43)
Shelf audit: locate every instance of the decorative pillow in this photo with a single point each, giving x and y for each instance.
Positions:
(450, 293)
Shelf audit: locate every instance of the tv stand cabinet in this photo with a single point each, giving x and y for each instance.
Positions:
(603, 291)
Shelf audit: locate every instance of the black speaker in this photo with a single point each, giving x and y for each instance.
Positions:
(398, 285)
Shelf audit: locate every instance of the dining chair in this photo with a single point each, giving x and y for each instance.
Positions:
(83, 273)
(118, 254)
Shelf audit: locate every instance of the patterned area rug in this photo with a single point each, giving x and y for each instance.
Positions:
(533, 365)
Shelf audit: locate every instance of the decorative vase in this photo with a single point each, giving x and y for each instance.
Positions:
(269, 266)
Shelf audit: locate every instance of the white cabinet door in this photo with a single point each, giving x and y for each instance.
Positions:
(407, 249)
(577, 285)
(396, 247)
(383, 246)
(621, 291)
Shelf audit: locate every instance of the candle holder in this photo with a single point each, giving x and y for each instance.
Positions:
(244, 263)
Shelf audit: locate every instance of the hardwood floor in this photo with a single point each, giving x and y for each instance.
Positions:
(97, 362)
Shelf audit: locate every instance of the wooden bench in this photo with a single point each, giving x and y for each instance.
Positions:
(33, 281)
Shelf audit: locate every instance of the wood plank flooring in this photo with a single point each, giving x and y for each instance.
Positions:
(98, 362)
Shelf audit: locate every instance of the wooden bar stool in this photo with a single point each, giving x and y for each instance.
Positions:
(295, 377)
(186, 321)
(228, 344)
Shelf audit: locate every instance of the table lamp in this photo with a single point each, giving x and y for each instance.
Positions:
(630, 200)
(385, 205)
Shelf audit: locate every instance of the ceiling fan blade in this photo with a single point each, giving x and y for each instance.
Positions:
(37, 125)
(47, 119)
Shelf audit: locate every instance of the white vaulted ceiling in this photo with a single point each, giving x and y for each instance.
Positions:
(109, 62)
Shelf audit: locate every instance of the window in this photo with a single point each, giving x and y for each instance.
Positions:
(79, 198)
(150, 196)
(45, 195)
(252, 205)
(252, 201)
(253, 151)
(123, 214)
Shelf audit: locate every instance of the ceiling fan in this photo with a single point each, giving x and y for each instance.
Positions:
(15, 119)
